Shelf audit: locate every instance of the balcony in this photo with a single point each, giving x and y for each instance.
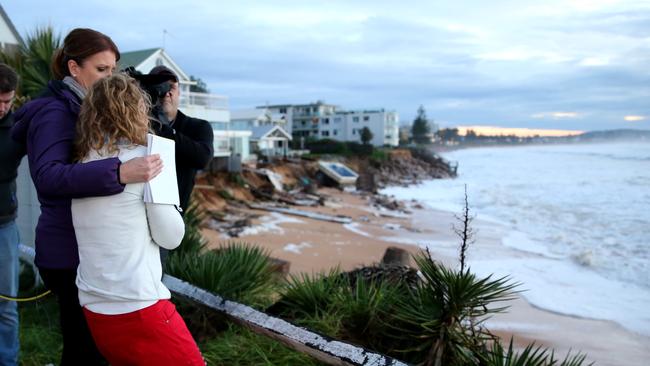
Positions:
(211, 107)
(207, 101)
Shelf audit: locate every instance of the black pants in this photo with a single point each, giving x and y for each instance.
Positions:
(78, 344)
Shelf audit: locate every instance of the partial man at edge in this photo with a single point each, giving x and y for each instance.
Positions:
(11, 154)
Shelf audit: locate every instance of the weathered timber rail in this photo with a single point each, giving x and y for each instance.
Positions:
(324, 349)
(327, 350)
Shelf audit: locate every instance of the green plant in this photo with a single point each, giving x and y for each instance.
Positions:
(531, 355)
(440, 321)
(421, 129)
(307, 295)
(378, 157)
(361, 306)
(237, 179)
(193, 242)
(225, 194)
(365, 135)
(32, 61)
(238, 271)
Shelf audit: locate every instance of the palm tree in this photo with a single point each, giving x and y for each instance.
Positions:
(32, 62)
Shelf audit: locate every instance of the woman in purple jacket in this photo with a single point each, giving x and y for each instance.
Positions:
(47, 126)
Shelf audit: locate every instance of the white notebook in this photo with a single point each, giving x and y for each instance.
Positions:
(164, 187)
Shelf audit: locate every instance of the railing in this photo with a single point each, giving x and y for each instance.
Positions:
(209, 101)
(324, 349)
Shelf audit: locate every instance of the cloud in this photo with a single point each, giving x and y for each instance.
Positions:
(577, 64)
(556, 115)
(635, 118)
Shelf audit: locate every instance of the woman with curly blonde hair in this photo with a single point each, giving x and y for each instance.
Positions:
(126, 304)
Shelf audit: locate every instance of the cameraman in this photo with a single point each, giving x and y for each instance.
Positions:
(193, 136)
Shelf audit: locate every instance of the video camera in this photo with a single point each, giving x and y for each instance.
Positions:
(156, 86)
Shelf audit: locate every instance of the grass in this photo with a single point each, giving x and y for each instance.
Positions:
(40, 338)
(240, 346)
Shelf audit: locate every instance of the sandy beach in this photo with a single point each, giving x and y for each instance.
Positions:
(313, 245)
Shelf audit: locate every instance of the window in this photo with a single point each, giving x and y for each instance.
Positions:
(325, 133)
(354, 131)
(302, 123)
(355, 119)
(326, 121)
(337, 119)
(366, 118)
(283, 110)
(335, 132)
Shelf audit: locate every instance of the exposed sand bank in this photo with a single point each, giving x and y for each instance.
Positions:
(313, 246)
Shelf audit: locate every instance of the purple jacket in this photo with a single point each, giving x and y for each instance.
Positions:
(47, 126)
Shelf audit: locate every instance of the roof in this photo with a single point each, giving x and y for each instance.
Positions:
(135, 58)
(246, 114)
(255, 115)
(139, 58)
(10, 24)
(317, 103)
(262, 132)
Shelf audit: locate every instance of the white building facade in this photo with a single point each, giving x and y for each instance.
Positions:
(326, 121)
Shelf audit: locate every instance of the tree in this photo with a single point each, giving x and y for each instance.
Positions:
(366, 135)
(200, 87)
(32, 61)
(448, 134)
(421, 130)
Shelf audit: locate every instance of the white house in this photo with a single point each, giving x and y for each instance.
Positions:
(270, 140)
(10, 40)
(321, 120)
(211, 107)
(269, 134)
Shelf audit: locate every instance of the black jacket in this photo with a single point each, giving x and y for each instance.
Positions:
(194, 150)
(11, 153)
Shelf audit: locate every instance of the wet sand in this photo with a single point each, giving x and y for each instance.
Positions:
(314, 246)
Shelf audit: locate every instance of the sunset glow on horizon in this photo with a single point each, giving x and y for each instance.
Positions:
(519, 132)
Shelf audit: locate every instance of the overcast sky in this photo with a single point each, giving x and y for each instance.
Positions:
(560, 64)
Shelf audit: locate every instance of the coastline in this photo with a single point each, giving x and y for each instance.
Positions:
(314, 246)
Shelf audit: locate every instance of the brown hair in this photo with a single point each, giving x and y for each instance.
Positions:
(8, 78)
(78, 45)
(115, 110)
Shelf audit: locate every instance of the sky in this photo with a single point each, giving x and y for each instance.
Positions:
(542, 64)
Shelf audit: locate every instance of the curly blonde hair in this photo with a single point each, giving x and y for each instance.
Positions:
(114, 111)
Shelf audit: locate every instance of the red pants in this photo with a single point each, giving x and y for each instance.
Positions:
(155, 335)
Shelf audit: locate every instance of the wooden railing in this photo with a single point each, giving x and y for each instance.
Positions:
(323, 348)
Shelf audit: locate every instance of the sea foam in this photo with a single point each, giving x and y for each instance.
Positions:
(574, 218)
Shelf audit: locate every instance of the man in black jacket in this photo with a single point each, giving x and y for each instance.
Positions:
(10, 155)
(193, 137)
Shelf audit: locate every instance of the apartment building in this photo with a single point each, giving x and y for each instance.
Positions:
(321, 120)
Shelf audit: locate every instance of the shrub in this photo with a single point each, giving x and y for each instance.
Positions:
(309, 295)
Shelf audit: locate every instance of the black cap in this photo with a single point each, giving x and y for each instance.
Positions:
(162, 70)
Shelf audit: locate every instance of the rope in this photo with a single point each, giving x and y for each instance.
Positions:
(25, 299)
(29, 253)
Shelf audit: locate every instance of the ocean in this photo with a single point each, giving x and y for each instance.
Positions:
(574, 222)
